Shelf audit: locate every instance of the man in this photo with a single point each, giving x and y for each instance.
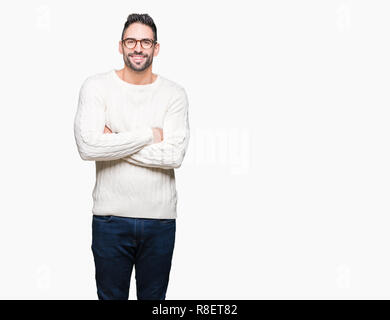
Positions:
(134, 125)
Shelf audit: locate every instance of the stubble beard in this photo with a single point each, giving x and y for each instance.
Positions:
(138, 67)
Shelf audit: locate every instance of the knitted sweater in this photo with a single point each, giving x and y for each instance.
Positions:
(134, 176)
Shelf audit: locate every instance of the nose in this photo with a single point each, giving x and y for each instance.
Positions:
(138, 46)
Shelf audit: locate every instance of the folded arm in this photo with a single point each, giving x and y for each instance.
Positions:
(170, 152)
(89, 123)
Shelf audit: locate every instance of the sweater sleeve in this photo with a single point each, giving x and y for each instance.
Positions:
(170, 152)
(92, 143)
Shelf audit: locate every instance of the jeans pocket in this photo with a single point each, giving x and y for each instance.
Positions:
(102, 218)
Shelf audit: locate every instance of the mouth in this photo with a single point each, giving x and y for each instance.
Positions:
(138, 58)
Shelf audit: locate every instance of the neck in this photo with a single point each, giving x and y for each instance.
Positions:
(128, 75)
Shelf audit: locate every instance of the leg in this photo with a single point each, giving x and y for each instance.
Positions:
(153, 258)
(113, 250)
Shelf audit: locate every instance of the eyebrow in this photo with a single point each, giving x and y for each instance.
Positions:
(138, 39)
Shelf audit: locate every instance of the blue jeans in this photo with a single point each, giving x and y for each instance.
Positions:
(118, 243)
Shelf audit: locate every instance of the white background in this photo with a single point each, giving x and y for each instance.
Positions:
(284, 191)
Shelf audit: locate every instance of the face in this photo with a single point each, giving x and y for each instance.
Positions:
(138, 31)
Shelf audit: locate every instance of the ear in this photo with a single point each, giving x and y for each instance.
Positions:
(120, 47)
(156, 49)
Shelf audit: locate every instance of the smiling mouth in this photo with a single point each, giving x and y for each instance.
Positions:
(138, 58)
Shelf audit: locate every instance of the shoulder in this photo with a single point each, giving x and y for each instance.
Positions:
(95, 84)
(97, 80)
(178, 99)
(174, 87)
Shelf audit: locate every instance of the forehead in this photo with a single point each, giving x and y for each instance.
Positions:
(138, 30)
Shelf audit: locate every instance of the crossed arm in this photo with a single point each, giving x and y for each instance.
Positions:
(89, 122)
(136, 146)
(168, 153)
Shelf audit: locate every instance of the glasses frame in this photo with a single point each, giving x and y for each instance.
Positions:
(140, 41)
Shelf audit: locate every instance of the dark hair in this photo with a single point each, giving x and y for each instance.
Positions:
(141, 18)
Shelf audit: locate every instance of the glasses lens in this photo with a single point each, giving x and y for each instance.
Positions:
(130, 43)
(146, 44)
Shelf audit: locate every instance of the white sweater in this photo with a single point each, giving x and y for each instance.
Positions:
(134, 176)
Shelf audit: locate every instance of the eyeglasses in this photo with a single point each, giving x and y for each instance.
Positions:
(131, 43)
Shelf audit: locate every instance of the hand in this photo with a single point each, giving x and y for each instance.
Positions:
(107, 129)
(158, 134)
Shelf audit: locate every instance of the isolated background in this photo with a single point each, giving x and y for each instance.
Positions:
(284, 191)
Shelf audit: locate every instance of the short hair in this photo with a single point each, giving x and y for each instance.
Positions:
(143, 18)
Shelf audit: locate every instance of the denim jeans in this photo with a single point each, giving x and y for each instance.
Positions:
(118, 243)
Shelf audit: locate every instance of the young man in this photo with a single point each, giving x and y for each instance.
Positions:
(134, 125)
